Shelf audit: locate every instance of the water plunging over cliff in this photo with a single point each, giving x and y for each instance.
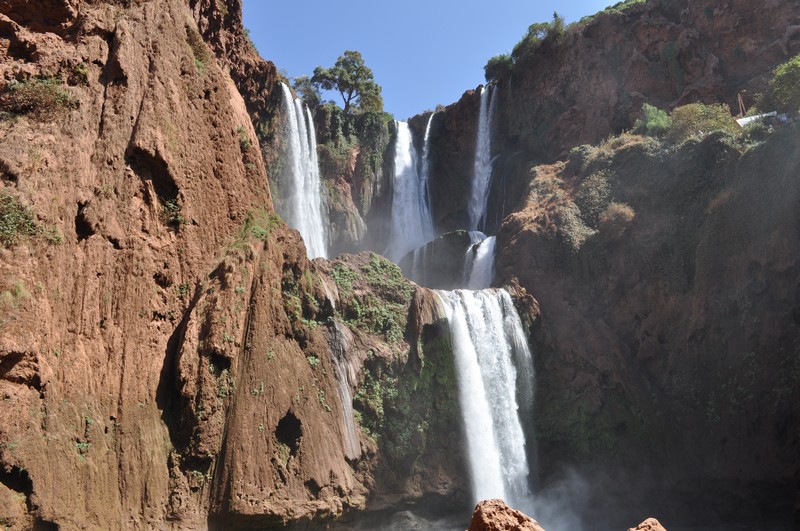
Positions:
(483, 160)
(492, 357)
(300, 204)
(412, 225)
(479, 264)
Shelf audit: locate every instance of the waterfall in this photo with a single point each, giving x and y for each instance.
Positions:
(341, 343)
(300, 204)
(483, 160)
(490, 350)
(479, 266)
(424, 172)
(411, 214)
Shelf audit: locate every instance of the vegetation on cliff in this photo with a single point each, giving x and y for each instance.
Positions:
(783, 93)
(353, 80)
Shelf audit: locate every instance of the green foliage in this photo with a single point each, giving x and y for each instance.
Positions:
(259, 223)
(202, 55)
(699, 118)
(592, 198)
(12, 297)
(380, 309)
(41, 98)
(172, 213)
(79, 75)
(538, 34)
(16, 221)
(244, 139)
(783, 93)
(411, 412)
(386, 278)
(308, 91)
(371, 100)
(498, 67)
(344, 278)
(353, 79)
(619, 7)
(655, 122)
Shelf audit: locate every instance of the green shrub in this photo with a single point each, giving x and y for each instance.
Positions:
(539, 33)
(200, 51)
(698, 118)
(16, 221)
(244, 139)
(41, 98)
(592, 198)
(498, 67)
(783, 93)
(655, 122)
(171, 213)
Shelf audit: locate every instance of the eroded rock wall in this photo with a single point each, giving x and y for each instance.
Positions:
(667, 345)
(593, 82)
(166, 349)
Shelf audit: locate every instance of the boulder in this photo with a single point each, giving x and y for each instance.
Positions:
(495, 515)
(651, 524)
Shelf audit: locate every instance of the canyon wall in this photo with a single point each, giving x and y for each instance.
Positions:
(169, 358)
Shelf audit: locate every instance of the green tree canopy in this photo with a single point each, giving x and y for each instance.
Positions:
(353, 80)
(307, 90)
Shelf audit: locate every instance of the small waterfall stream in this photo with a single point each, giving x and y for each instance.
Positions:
(479, 264)
(301, 204)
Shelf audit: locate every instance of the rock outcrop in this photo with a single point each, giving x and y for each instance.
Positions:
(495, 515)
(169, 357)
(593, 83)
(667, 281)
(651, 524)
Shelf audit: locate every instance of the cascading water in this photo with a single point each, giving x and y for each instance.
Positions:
(490, 349)
(340, 343)
(483, 160)
(479, 266)
(302, 194)
(412, 225)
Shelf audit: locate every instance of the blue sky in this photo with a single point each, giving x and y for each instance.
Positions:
(422, 52)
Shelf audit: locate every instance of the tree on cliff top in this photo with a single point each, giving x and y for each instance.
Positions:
(353, 80)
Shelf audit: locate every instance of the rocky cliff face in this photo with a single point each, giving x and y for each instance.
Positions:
(168, 356)
(668, 284)
(594, 81)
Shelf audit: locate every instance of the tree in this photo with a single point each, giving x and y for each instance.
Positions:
(307, 90)
(498, 67)
(352, 79)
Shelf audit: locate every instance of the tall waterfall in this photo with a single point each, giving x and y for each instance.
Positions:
(412, 225)
(341, 343)
(301, 204)
(491, 357)
(483, 160)
(479, 266)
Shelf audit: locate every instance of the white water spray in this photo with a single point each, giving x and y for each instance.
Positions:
(483, 160)
(479, 265)
(302, 197)
(490, 348)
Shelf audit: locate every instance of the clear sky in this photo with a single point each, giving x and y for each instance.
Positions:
(422, 52)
